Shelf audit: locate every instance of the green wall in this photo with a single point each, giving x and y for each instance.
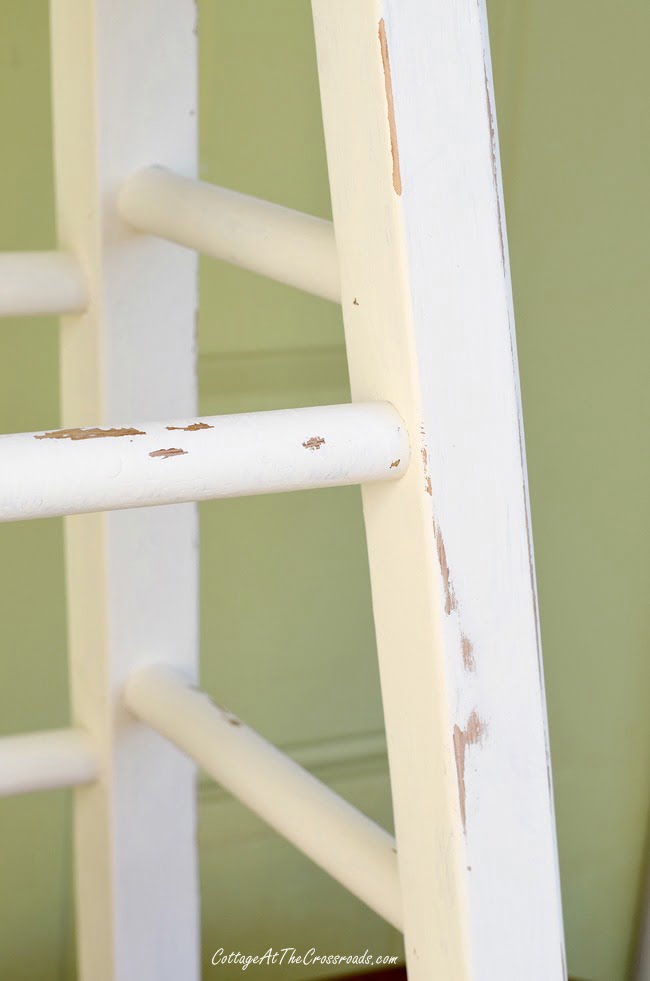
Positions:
(293, 650)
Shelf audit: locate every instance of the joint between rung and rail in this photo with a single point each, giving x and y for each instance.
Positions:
(285, 245)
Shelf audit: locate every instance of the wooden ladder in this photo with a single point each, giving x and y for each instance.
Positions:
(420, 267)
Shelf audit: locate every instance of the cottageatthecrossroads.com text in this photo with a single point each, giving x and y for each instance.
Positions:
(289, 955)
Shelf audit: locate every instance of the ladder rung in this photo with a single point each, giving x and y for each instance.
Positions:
(45, 760)
(340, 839)
(285, 245)
(72, 471)
(33, 283)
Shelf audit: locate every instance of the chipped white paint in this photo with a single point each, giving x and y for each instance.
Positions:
(410, 130)
(124, 91)
(33, 283)
(45, 760)
(334, 834)
(277, 242)
(73, 471)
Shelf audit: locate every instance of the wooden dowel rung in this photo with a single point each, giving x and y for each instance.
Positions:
(45, 760)
(288, 246)
(341, 840)
(33, 283)
(73, 471)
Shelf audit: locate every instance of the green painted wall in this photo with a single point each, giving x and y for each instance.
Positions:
(287, 636)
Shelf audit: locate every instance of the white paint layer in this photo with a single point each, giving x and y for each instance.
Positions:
(268, 239)
(344, 842)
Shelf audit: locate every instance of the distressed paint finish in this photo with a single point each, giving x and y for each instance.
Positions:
(124, 95)
(414, 170)
(75, 471)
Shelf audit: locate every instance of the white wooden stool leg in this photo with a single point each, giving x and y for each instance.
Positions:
(124, 97)
(414, 170)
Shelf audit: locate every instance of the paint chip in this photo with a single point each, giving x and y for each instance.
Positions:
(451, 603)
(314, 443)
(75, 434)
(390, 105)
(425, 462)
(172, 451)
(493, 155)
(468, 653)
(189, 429)
(471, 735)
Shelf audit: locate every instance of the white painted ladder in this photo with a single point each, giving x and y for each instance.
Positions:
(420, 267)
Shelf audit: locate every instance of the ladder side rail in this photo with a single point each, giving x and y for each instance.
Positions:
(124, 95)
(413, 159)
